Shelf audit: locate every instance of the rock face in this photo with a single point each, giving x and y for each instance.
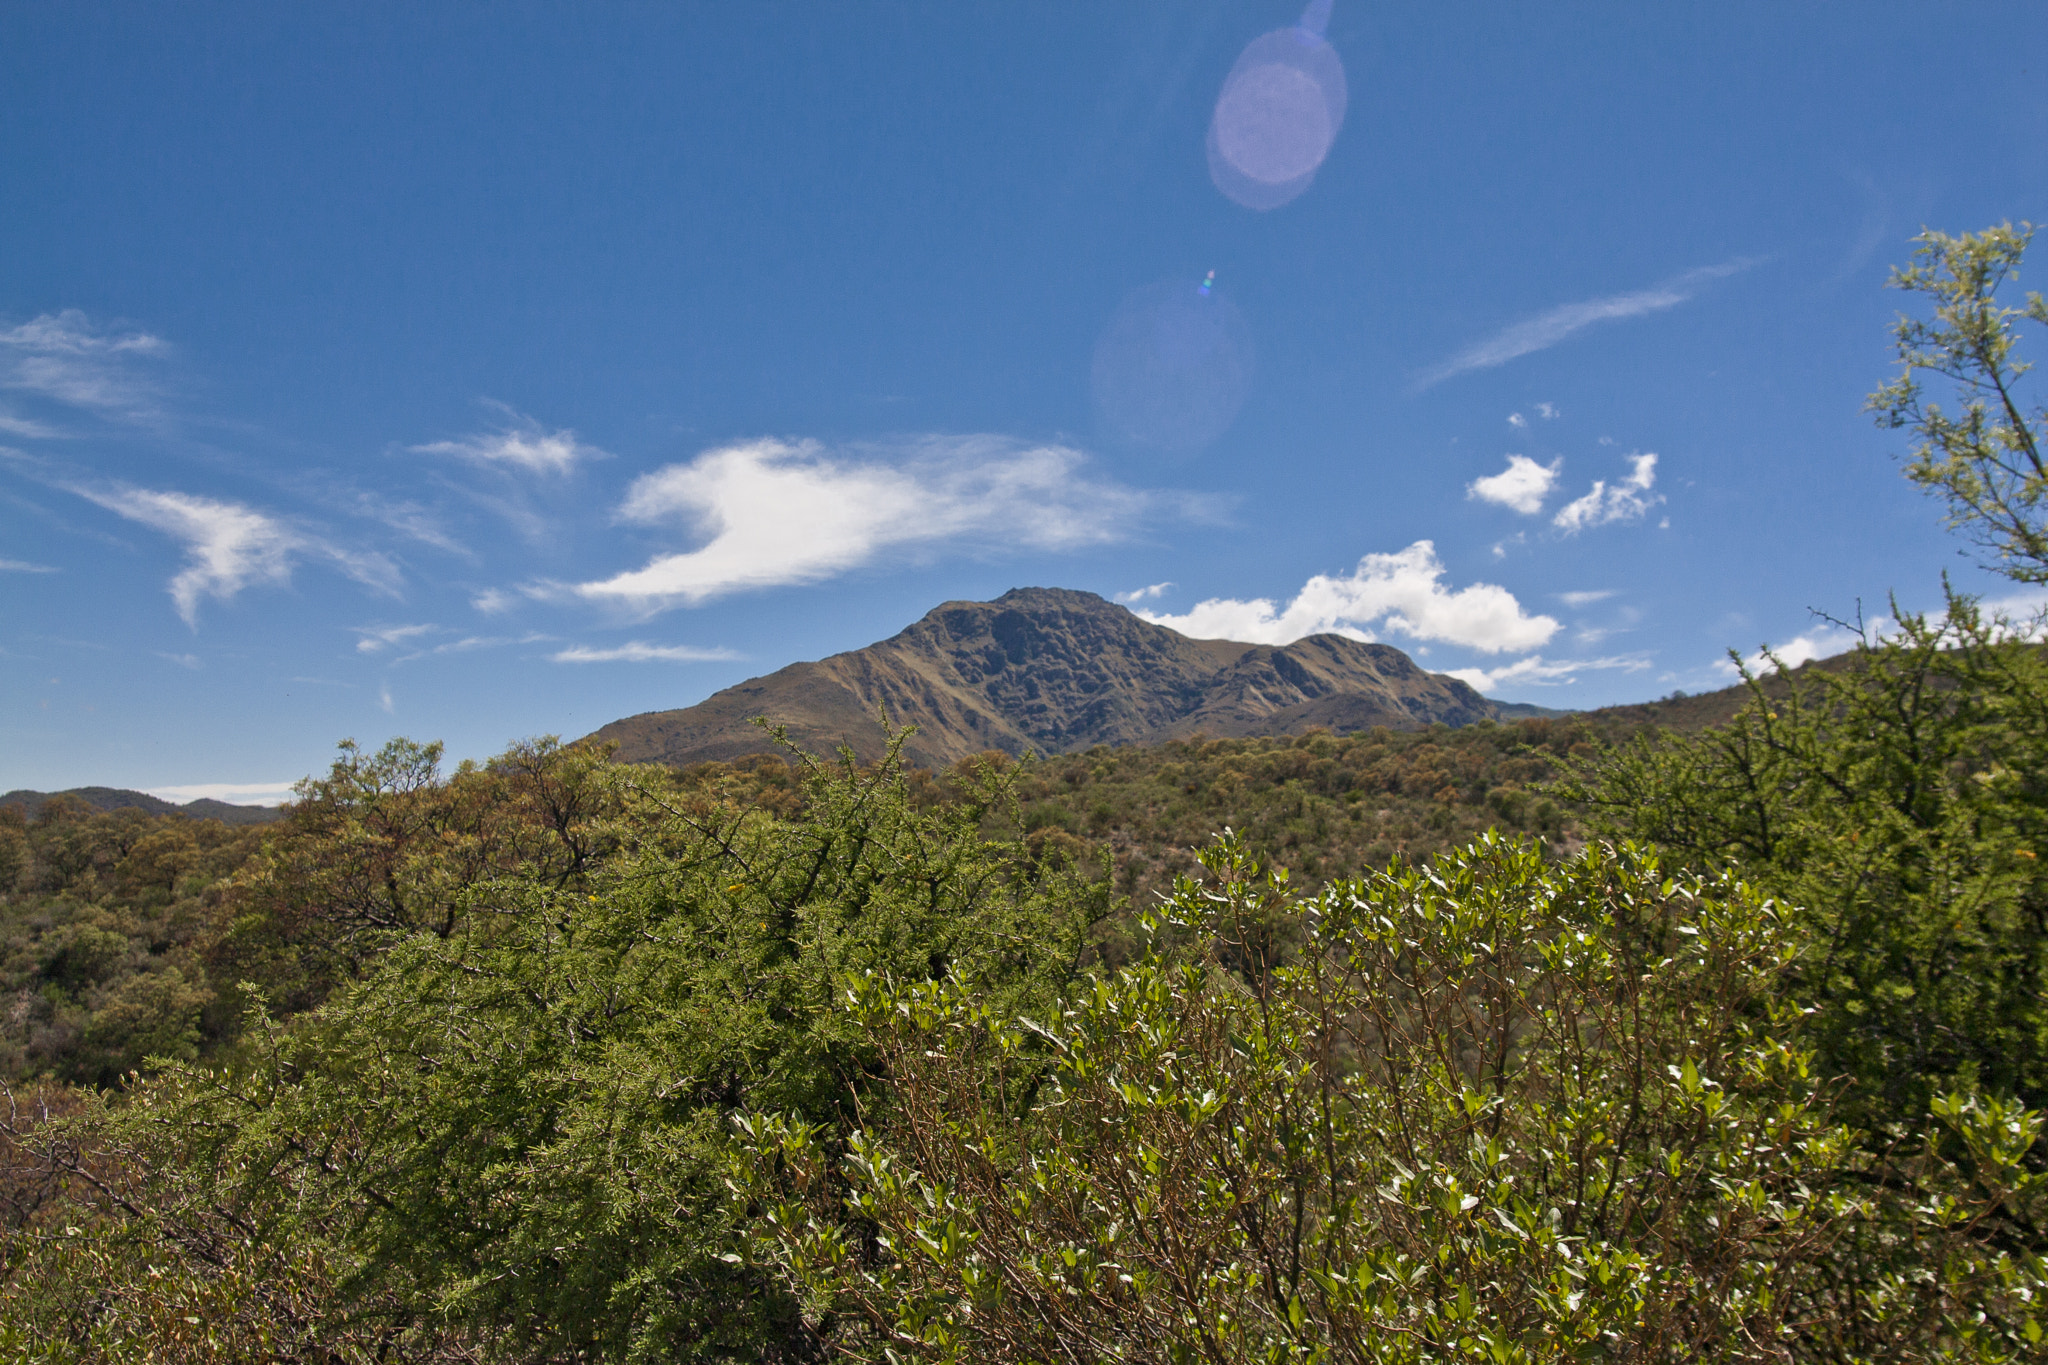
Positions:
(1052, 670)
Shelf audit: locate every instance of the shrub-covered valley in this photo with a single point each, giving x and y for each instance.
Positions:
(1712, 1029)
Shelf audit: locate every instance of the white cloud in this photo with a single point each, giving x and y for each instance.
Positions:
(384, 701)
(1538, 671)
(1547, 329)
(1821, 642)
(2021, 611)
(230, 546)
(414, 522)
(376, 639)
(1403, 592)
(474, 642)
(23, 566)
(239, 793)
(1517, 421)
(1547, 411)
(67, 357)
(521, 443)
(492, 601)
(1145, 594)
(639, 652)
(181, 660)
(26, 429)
(1585, 599)
(774, 513)
(2023, 615)
(1521, 487)
(1625, 501)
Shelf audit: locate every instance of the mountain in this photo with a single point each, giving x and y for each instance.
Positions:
(1053, 671)
(120, 798)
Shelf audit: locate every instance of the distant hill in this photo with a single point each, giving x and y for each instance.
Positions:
(1056, 671)
(120, 798)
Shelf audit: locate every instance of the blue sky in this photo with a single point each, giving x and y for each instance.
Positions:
(478, 372)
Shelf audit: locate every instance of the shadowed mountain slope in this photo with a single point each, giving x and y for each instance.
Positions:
(1053, 671)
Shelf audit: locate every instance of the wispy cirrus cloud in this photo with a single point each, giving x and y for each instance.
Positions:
(23, 566)
(640, 652)
(377, 639)
(772, 513)
(1145, 594)
(71, 359)
(230, 546)
(1548, 329)
(16, 425)
(411, 641)
(1521, 487)
(1627, 500)
(1401, 592)
(518, 442)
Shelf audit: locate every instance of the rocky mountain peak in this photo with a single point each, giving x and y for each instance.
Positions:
(1052, 670)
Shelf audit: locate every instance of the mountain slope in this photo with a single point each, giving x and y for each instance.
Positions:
(120, 798)
(1052, 670)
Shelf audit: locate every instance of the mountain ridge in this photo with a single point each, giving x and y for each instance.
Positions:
(1054, 670)
(123, 798)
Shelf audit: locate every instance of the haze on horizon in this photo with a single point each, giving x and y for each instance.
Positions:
(471, 375)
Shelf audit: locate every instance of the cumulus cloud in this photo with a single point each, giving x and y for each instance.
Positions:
(772, 512)
(1521, 487)
(1145, 594)
(1401, 592)
(230, 546)
(1821, 642)
(1517, 421)
(520, 442)
(1547, 411)
(67, 357)
(1548, 329)
(1625, 501)
(640, 652)
(1539, 671)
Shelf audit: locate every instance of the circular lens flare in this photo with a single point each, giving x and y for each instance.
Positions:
(1278, 114)
(1272, 124)
(1173, 367)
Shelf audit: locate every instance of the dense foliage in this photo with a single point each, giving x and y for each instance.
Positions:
(1502, 1111)
(503, 1127)
(1902, 806)
(105, 923)
(129, 935)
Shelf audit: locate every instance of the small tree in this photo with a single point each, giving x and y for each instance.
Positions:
(1984, 458)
